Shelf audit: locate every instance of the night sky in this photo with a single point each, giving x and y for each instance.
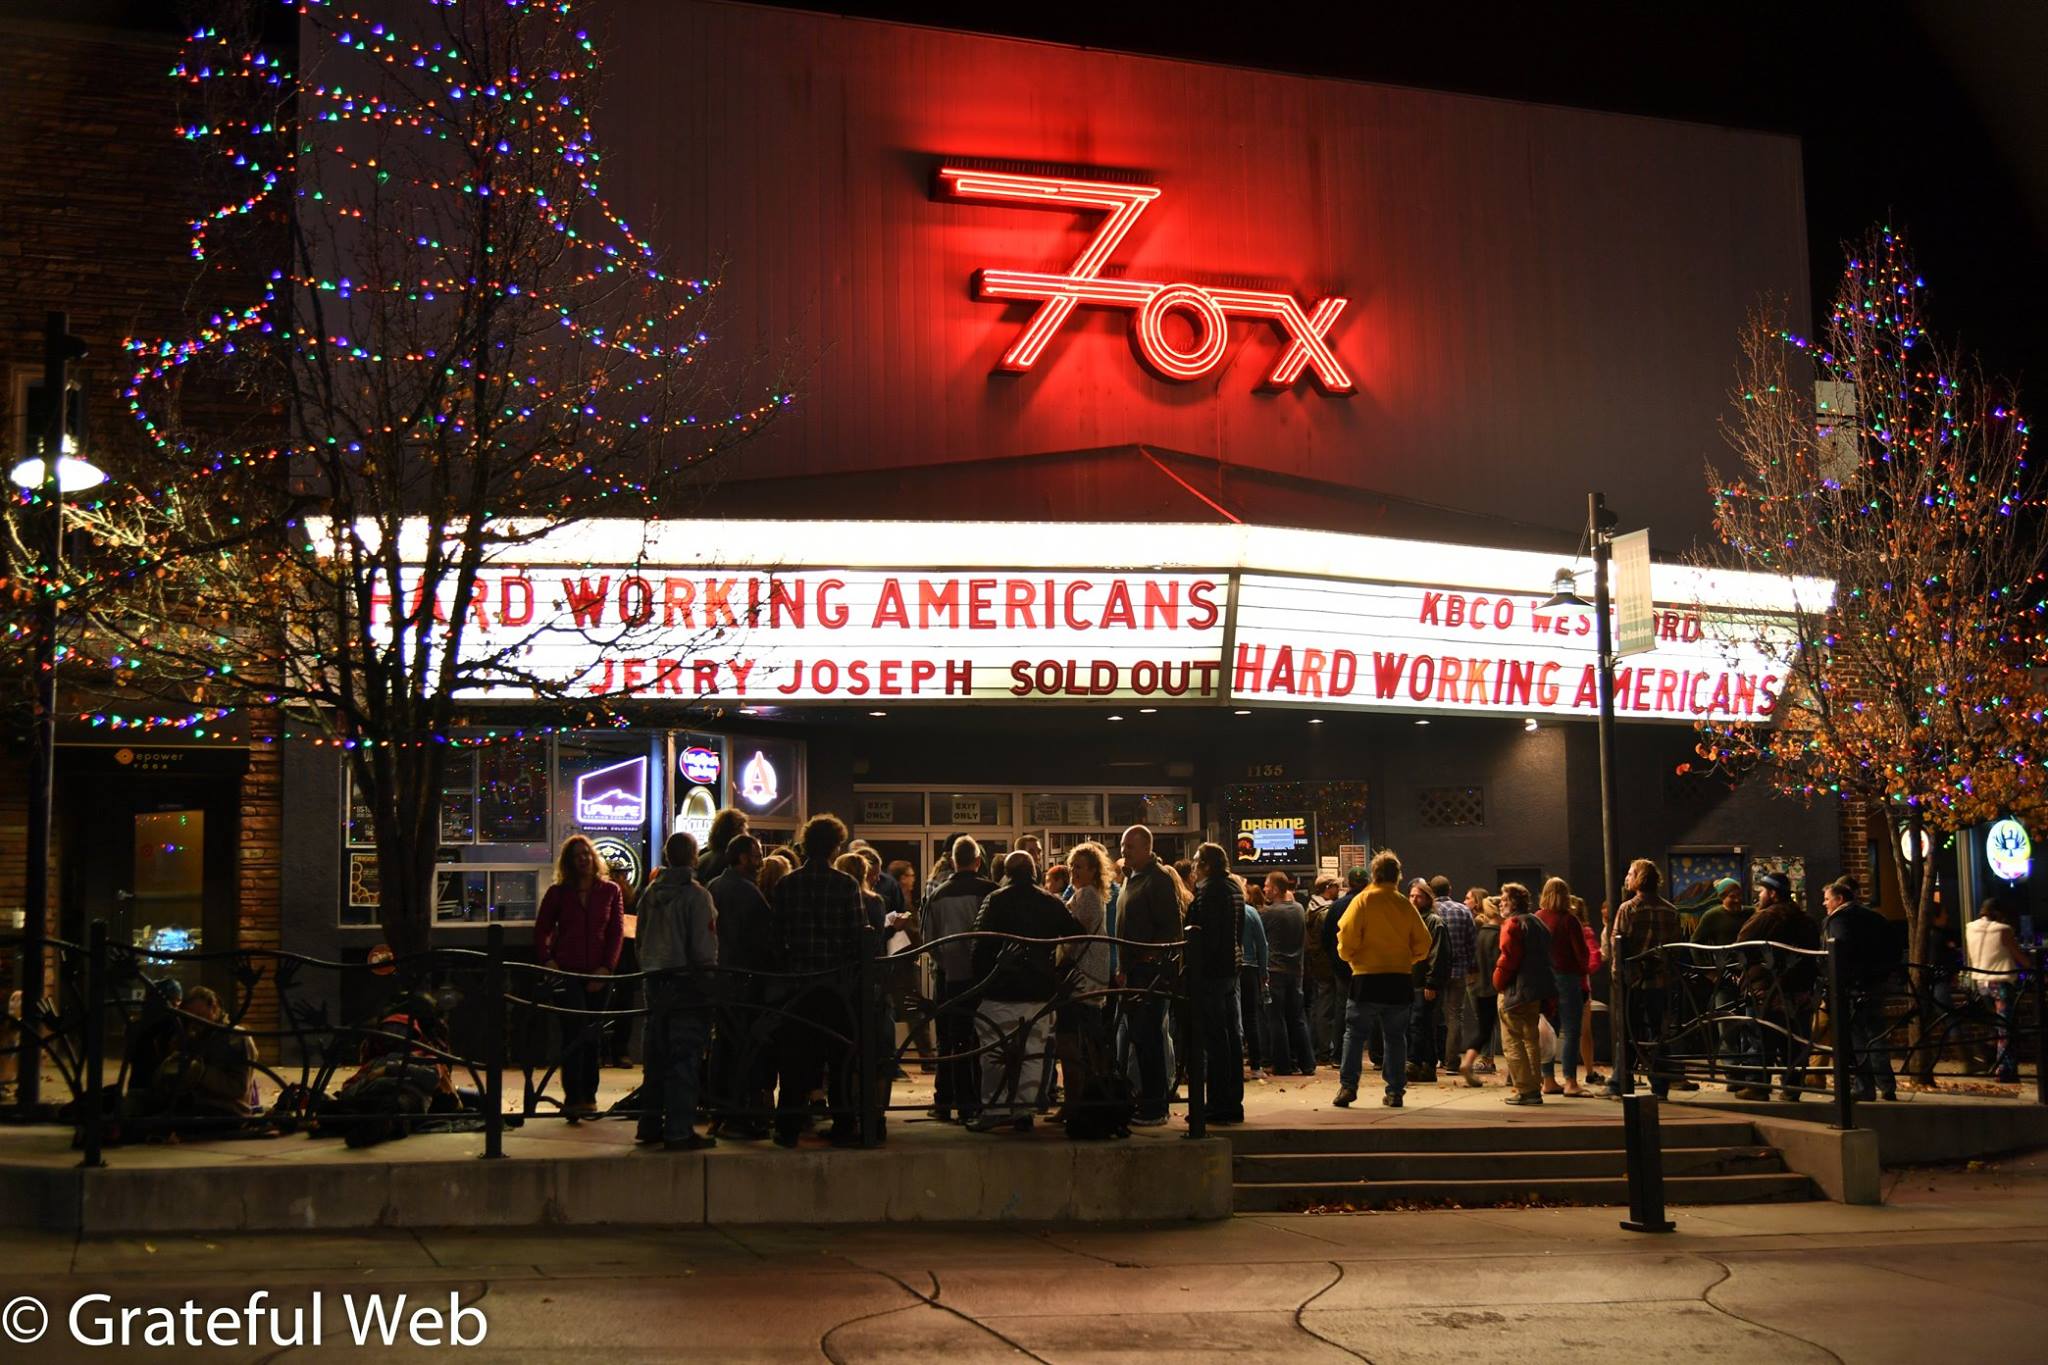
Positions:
(1929, 116)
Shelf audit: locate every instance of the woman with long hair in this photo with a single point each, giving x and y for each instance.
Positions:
(1568, 961)
(579, 929)
(774, 868)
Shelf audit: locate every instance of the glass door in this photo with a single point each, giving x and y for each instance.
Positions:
(166, 910)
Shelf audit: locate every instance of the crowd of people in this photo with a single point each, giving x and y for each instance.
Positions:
(1049, 989)
(1034, 990)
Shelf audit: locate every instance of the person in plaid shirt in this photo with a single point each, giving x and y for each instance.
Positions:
(1645, 923)
(817, 921)
(1461, 946)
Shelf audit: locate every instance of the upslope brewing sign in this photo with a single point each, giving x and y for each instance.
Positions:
(1402, 647)
(1212, 621)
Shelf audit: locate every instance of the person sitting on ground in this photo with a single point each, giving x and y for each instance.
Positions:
(211, 1077)
(1381, 939)
(679, 949)
(1013, 1018)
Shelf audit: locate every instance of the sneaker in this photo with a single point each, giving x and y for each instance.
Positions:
(1345, 1096)
(942, 1115)
(1523, 1099)
(1149, 1121)
(1392, 1099)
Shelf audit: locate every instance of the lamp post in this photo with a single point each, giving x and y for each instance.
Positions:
(1639, 1113)
(53, 475)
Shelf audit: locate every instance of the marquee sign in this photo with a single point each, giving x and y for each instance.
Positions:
(1207, 309)
(681, 611)
(1406, 647)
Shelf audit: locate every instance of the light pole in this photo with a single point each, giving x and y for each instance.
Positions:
(52, 475)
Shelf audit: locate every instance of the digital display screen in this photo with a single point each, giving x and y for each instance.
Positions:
(1276, 841)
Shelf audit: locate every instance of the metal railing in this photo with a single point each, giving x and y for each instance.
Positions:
(1765, 1015)
(537, 1020)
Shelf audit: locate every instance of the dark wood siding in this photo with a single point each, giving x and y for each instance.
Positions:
(1544, 300)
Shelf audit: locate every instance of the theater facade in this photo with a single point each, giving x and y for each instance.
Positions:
(1173, 443)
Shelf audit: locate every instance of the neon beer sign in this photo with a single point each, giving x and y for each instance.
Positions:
(1207, 309)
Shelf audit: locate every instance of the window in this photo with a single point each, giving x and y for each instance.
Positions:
(1164, 810)
(1451, 807)
(512, 792)
(1071, 810)
(971, 810)
(891, 808)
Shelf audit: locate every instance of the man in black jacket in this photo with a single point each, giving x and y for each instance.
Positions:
(1869, 953)
(1425, 1033)
(1018, 977)
(1148, 911)
(743, 1054)
(1216, 917)
(950, 909)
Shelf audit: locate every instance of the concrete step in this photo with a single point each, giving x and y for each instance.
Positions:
(1306, 1168)
(1472, 1194)
(1511, 1134)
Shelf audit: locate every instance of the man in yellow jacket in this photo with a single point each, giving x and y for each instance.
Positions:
(1381, 939)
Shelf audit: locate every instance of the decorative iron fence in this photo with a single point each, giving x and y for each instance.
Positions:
(763, 1033)
(1764, 1016)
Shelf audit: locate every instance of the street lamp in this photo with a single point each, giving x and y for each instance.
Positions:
(52, 478)
(1639, 1118)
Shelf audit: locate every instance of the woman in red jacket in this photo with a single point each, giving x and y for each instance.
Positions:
(579, 928)
(1568, 960)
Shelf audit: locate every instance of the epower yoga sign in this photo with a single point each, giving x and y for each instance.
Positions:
(665, 624)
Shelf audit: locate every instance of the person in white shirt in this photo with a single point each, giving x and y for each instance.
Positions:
(1995, 958)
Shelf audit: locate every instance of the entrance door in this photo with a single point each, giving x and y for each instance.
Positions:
(154, 855)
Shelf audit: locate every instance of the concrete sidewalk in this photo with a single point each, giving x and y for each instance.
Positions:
(1947, 1261)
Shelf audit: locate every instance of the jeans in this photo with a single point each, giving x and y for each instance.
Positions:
(1455, 1001)
(1424, 1042)
(678, 1026)
(1287, 1027)
(1251, 999)
(582, 1033)
(1360, 1015)
(1645, 1033)
(1326, 1017)
(1571, 1013)
(957, 1087)
(1223, 1044)
(1866, 1034)
(1999, 995)
(1147, 1016)
(809, 1048)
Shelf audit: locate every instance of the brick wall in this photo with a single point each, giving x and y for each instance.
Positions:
(99, 194)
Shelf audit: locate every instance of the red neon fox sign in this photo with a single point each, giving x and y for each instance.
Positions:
(1207, 308)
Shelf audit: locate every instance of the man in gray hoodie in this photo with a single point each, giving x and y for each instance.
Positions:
(678, 939)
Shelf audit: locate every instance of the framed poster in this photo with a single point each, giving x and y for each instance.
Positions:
(1690, 873)
(362, 881)
(1792, 865)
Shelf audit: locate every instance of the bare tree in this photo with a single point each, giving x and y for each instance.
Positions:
(467, 348)
(1885, 461)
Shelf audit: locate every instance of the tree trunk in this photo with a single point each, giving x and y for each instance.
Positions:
(1916, 894)
(408, 842)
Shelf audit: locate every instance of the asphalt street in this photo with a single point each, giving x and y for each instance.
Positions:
(1952, 1258)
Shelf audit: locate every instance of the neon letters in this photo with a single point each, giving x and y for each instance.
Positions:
(1208, 309)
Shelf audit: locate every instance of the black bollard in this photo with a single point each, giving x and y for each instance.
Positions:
(1645, 1165)
(494, 1042)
